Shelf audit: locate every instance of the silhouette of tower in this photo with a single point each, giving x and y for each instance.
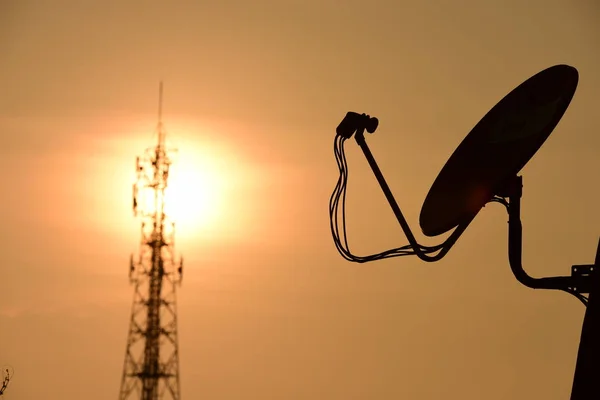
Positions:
(151, 368)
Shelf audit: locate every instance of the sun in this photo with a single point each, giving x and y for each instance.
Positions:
(194, 197)
(212, 189)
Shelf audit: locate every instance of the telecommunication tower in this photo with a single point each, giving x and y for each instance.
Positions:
(151, 368)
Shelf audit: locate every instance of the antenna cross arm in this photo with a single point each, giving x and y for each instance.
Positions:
(420, 251)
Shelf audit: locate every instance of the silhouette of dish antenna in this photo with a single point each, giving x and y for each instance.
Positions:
(497, 148)
(483, 169)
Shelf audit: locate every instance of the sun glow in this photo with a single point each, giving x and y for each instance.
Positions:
(207, 178)
(194, 197)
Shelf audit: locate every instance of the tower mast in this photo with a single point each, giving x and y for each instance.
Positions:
(151, 367)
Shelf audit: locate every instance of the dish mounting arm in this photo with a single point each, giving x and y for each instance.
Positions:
(418, 249)
(513, 189)
(578, 281)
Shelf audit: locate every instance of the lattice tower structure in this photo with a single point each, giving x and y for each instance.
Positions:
(151, 367)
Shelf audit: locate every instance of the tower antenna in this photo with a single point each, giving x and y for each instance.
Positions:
(160, 127)
(160, 100)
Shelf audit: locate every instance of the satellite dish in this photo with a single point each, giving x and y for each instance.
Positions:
(484, 168)
(497, 148)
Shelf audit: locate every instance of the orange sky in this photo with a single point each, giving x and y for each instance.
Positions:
(254, 90)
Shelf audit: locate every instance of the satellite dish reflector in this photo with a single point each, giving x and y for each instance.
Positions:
(497, 148)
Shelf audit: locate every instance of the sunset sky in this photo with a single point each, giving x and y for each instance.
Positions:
(253, 93)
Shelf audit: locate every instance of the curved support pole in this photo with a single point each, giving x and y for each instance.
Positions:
(419, 250)
(515, 243)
